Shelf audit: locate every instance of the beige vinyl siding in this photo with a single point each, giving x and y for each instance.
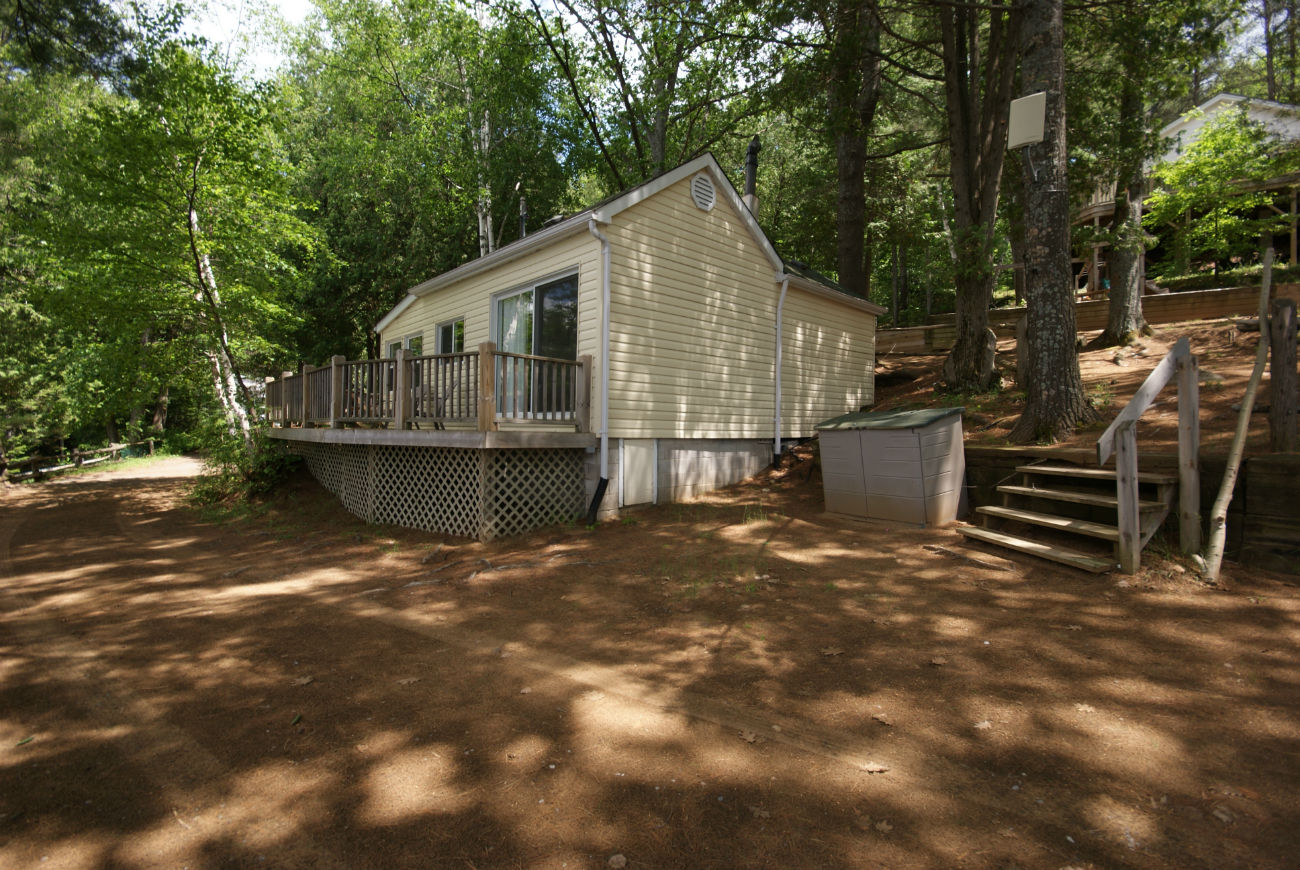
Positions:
(471, 298)
(691, 322)
(827, 361)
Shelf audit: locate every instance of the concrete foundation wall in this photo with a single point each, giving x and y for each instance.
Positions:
(684, 468)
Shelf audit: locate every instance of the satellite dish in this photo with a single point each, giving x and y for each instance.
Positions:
(1028, 116)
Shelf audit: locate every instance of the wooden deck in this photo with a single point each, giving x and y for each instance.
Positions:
(468, 439)
(453, 399)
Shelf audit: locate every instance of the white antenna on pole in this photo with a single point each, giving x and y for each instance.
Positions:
(1028, 117)
(1026, 124)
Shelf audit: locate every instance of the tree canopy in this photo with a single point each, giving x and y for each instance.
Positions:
(174, 228)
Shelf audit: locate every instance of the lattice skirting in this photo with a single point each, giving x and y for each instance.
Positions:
(481, 494)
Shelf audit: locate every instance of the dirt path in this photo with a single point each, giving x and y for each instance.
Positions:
(738, 682)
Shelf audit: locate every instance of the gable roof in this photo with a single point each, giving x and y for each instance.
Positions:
(1280, 119)
(605, 211)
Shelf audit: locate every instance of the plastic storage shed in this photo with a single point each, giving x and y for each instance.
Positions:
(903, 466)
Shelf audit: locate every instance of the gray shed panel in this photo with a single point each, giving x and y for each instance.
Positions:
(900, 466)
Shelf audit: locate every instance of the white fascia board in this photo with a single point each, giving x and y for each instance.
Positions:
(724, 186)
(1176, 126)
(801, 283)
(513, 251)
(392, 315)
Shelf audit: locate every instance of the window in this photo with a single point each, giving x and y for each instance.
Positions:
(540, 320)
(451, 336)
(414, 345)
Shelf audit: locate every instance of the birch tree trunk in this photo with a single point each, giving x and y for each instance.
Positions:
(231, 391)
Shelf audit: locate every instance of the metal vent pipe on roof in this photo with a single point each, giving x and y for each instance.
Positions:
(751, 176)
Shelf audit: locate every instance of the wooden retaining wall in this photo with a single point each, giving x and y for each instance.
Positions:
(940, 333)
(1263, 518)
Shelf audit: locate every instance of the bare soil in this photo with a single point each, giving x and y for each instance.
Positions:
(1110, 376)
(741, 681)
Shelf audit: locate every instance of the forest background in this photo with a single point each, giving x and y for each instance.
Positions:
(175, 224)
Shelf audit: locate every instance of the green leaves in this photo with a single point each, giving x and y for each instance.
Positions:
(1212, 196)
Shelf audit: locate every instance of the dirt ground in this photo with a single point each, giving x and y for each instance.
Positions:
(1110, 376)
(742, 681)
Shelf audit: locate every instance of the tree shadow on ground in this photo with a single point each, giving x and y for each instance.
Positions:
(707, 685)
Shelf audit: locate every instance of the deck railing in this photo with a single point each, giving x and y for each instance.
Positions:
(1120, 438)
(481, 388)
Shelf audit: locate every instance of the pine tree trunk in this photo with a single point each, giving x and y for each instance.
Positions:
(1054, 398)
(851, 210)
(1124, 315)
(852, 97)
(977, 85)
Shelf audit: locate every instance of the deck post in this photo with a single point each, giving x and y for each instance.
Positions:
(582, 404)
(284, 399)
(401, 392)
(487, 388)
(267, 392)
(1282, 375)
(306, 396)
(336, 390)
(1126, 491)
(1189, 445)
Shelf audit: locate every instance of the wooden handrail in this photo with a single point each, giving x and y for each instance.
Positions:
(1120, 438)
(482, 387)
(1161, 375)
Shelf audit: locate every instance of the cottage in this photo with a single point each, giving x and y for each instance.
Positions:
(650, 348)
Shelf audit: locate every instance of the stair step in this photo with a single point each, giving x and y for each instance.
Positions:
(1051, 521)
(1076, 497)
(1065, 556)
(1095, 473)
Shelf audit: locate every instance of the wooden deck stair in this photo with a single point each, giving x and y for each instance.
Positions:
(1069, 500)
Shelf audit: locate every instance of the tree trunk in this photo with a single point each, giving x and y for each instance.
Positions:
(852, 98)
(1054, 398)
(1015, 212)
(231, 391)
(851, 211)
(904, 282)
(159, 423)
(1213, 559)
(893, 287)
(1124, 315)
(1282, 376)
(978, 89)
(1270, 79)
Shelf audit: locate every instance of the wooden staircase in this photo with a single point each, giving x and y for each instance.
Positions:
(1069, 502)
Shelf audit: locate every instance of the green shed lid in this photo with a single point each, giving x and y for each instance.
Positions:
(887, 419)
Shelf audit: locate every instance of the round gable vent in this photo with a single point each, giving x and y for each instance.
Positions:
(703, 192)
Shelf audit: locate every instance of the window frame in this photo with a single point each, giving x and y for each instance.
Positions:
(551, 278)
(437, 335)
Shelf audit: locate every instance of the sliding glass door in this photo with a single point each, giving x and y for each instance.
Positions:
(541, 320)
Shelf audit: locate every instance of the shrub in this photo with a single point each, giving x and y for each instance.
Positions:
(235, 473)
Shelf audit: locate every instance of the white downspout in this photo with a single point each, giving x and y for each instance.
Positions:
(776, 419)
(604, 348)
